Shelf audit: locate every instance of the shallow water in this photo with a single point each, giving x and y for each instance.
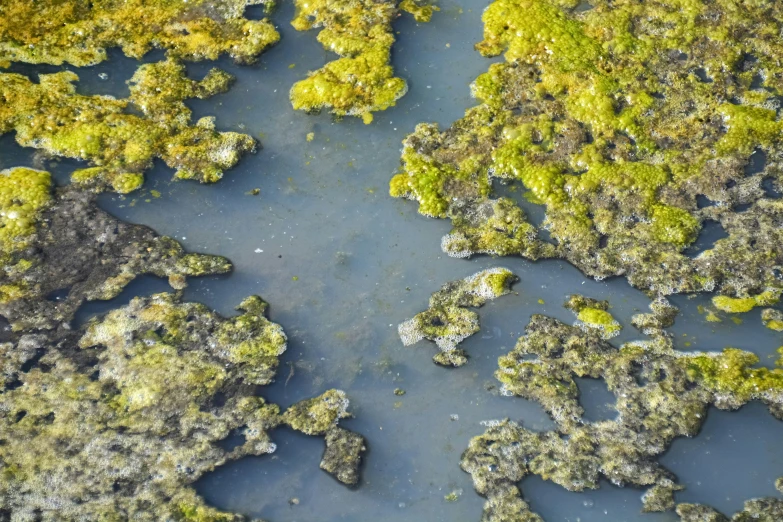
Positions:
(342, 264)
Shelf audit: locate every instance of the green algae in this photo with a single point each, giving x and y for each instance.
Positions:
(759, 509)
(660, 394)
(142, 398)
(362, 80)
(79, 32)
(448, 321)
(121, 145)
(603, 116)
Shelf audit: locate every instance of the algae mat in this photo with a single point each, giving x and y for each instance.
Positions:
(296, 208)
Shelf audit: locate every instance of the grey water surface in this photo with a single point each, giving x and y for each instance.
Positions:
(342, 264)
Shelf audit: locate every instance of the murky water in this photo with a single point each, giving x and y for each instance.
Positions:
(342, 264)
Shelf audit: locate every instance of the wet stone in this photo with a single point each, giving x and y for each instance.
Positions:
(69, 243)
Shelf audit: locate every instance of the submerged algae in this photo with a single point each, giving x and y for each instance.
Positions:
(362, 80)
(604, 117)
(140, 400)
(121, 145)
(660, 394)
(447, 321)
(67, 243)
(79, 32)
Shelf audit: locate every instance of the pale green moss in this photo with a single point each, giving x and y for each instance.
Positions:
(737, 305)
(772, 319)
(318, 415)
(23, 193)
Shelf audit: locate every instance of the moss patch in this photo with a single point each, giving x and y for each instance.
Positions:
(362, 80)
(616, 119)
(120, 146)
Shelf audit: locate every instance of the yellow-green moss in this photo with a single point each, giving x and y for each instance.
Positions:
(448, 321)
(660, 394)
(737, 305)
(78, 32)
(23, 193)
(52, 116)
(604, 116)
(772, 319)
(361, 81)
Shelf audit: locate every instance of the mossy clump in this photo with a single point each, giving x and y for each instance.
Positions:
(660, 394)
(772, 319)
(120, 145)
(738, 305)
(79, 32)
(620, 120)
(362, 80)
(67, 245)
(593, 314)
(318, 415)
(23, 194)
(120, 418)
(448, 321)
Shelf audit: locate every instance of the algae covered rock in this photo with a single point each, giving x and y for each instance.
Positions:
(634, 125)
(79, 32)
(343, 454)
(320, 416)
(660, 394)
(362, 80)
(59, 241)
(448, 321)
(772, 319)
(119, 144)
